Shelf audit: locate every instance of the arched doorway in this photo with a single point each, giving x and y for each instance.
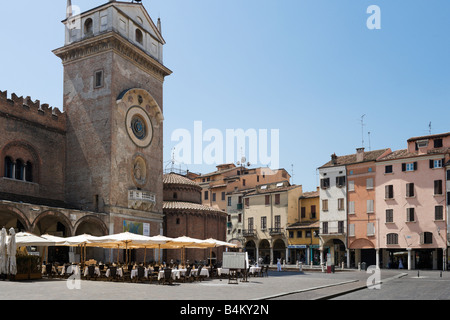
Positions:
(13, 218)
(95, 227)
(264, 251)
(56, 224)
(337, 252)
(250, 247)
(279, 250)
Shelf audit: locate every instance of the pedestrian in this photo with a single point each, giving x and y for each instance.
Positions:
(279, 264)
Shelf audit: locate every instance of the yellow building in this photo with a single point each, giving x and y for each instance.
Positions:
(303, 230)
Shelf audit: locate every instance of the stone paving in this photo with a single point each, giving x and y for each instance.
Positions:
(288, 285)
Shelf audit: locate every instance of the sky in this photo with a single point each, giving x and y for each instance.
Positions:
(311, 69)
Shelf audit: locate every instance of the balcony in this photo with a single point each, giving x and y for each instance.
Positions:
(276, 231)
(332, 231)
(249, 233)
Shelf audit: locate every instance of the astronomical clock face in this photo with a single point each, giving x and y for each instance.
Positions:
(139, 127)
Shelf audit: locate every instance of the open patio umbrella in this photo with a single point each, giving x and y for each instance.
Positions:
(11, 251)
(3, 259)
(186, 242)
(25, 239)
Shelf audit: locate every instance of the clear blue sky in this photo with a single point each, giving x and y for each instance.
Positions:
(310, 68)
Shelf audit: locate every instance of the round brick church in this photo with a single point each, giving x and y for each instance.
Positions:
(184, 215)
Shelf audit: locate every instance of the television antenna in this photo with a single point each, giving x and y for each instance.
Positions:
(362, 129)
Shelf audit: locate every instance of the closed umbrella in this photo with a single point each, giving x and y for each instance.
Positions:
(3, 259)
(11, 251)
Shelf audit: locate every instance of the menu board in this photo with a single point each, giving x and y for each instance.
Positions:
(235, 260)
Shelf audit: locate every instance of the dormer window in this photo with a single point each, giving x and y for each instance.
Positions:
(422, 143)
(438, 143)
(139, 37)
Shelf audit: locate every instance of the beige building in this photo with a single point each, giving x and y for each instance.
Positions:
(265, 219)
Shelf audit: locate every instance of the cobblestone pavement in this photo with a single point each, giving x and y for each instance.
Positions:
(279, 285)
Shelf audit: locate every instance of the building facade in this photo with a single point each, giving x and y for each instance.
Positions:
(361, 209)
(184, 215)
(96, 167)
(265, 221)
(411, 202)
(333, 214)
(303, 230)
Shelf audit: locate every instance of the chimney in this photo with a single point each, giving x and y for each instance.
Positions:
(360, 155)
(334, 158)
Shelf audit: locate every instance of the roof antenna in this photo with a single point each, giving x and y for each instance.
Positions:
(429, 127)
(362, 129)
(370, 149)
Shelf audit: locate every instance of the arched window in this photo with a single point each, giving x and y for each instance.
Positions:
(139, 36)
(19, 170)
(29, 172)
(9, 168)
(88, 27)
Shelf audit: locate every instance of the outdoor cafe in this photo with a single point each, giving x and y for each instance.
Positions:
(17, 263)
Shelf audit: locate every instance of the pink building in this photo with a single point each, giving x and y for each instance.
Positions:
(411, 204)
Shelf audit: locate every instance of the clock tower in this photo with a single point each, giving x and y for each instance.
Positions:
(113, 99)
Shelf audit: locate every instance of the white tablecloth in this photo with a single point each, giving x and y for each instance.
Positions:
(254, 270)
(119, 272)
(72, 269)
(178, 273)
(134, 273)
(97, 271)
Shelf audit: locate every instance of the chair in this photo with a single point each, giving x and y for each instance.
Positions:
(91, 273)
(49, 270)
(187, 275)
(140, 274)
(113, 273)
(198, 276)
(266, 271)
(167, 276)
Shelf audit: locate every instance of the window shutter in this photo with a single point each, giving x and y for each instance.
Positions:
(369, 206)
(415, 166)
(351, 230)
(422, 238)
(370, 229)
(431, 164)
(403, 167)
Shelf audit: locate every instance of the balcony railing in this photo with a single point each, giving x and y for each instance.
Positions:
(276, 231)
(332, 231)
(249, 232)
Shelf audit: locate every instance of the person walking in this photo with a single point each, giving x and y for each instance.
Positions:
(279, 264)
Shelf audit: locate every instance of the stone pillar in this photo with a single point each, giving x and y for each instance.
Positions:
(377, 258)
(409, 259)
(348, 258)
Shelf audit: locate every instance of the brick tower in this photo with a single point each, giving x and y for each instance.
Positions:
(113, 99)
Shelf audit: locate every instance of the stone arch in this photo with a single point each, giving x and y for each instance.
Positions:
(143, 98)
(362, 244)
(8, 213)
(92, 221)
(44, 223)
(264, 250)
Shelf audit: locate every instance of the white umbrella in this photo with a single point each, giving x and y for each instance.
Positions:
(58, 241)
(11, 251)
(3, 259)
(218, 243)
(25, 239)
